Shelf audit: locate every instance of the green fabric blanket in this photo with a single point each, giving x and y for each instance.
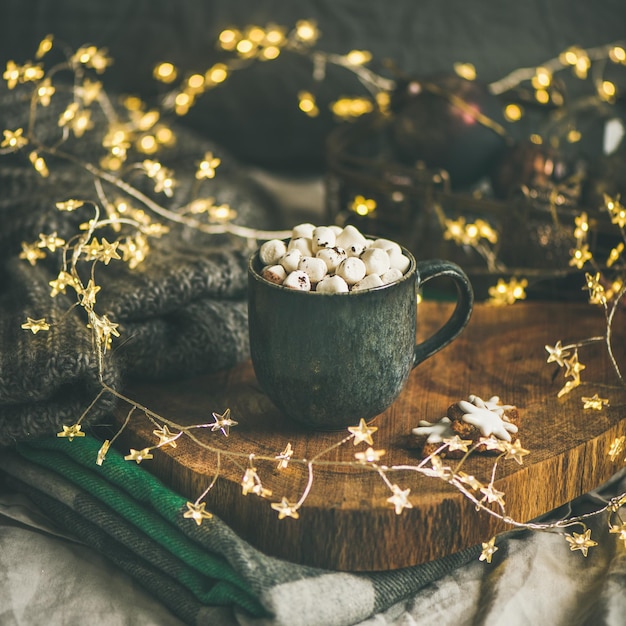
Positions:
(131, 517)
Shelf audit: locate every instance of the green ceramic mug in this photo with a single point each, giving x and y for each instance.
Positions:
(328, 360)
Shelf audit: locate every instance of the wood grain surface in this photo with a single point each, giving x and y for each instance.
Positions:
(346, 522)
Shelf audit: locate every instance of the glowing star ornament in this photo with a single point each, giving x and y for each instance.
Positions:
(223, 422)
(580, 256)
(557, 354)
(581, 541)
(363, 432)
(620, 531)
(249, 481)
(102, 452)
(491, 494)
(515, 451)
(456, 443)
(285, 509)
(489, 549)
(31, 253)
(284, 457)
(197, 512)
(139, 455)
(470, 481)
(166, 437)
(71, 432)
(207, 167)
(369, 456)
(504, 293)
(13, 139)
(51, 241)
(573, 367)
(35, 325)
(594, 402)
(69, 205)
(400, 499)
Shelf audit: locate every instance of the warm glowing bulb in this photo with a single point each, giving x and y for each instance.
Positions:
(217, 74)
(255, 34)
(542, 96)
(270, 53)
(574, 135)
(195, 81)
(358, 57)
(306, 30)
(513, 112)
(228, 39)
(165, 72)
(617, 54)
(148, 144)
(244, 46)
(465, 70)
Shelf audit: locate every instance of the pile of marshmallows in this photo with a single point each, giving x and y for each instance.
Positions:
(331, 259)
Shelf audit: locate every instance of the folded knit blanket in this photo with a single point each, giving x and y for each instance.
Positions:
(131, 517)
(182, 311)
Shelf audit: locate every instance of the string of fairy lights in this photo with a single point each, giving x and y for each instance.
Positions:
(133, 218)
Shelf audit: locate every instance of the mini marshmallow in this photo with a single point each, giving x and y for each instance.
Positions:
(274, 273)
(297, 280)
(271, 251)
(303, 230)
(398, 261)
(323, 237)
(369, 282)
(352, 270)
(350, 236)
(376, 261)
(290, 260)
(315, 268)
(332, 257)
(332, 284)
(303, 244)
(356, 249)
(391, 275)
(387, 245)
(336, 229)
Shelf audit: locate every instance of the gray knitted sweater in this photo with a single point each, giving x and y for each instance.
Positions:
(181, 312)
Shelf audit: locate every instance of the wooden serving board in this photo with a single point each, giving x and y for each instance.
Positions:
(346, 522)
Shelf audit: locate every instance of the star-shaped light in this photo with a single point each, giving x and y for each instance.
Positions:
(438, 469)
(617, 447)
(400, 499)
(105, 329)
(504, 293)
(581, 541)
(616, 210)
(284, 457)
(223, 422)
(491, 443)
(582, 226)
(13, 139)
(363, 432)
(489, 549)
(595, 288)
(51, 241)
(102, 453)
(207, 167)
(69, 205)
(580, 256)
(70, 432)
(456, 443)
(363, 206)
(197, 512)
(35, 325)
(92, 249)
(615, 254)
(369, 456)
(166, 437)
(88, 294)
(515, 451)
(568, 386)
(31, 253)
(60, 283)
(491, 494)
(45, 91)
(573, 367)
(108, 251)
(557, 354)
(470, 481)
(285, 509)
(594, 402)
(139, 455)
(620, 531)
(89, 91)
(12, 74)
(249, 481)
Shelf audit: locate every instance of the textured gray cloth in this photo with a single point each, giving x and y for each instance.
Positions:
(181, 312)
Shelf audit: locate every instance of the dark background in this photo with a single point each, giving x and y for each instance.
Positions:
(254, 113)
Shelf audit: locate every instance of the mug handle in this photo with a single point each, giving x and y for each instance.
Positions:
(426, 270)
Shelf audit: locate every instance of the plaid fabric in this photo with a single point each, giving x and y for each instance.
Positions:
(131, 517)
